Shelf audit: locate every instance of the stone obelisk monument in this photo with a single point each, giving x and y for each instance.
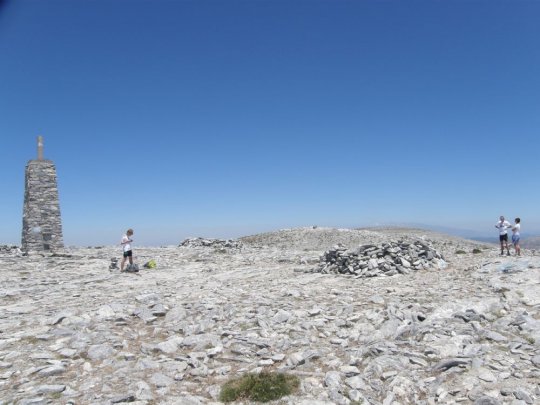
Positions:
(42, 224)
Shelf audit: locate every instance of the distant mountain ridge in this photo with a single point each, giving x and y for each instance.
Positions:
(532, 242)
(462, 233)
(528, 241)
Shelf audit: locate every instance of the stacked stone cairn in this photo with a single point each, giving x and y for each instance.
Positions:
(377, 260)
(214, 243)
(9, 250)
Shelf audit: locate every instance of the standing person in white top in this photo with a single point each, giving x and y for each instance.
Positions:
(516, 236)
(503, 226)
(126, 248)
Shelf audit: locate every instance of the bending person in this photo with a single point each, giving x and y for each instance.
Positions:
(126, 249)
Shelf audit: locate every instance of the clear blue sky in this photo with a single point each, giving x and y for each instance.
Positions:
(225, 118)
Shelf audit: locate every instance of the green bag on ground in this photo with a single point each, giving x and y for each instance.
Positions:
(150, 264)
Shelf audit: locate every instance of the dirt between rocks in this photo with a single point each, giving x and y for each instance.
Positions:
(74, 332)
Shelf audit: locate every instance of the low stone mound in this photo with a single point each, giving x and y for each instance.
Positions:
(313, 238)
(9, 250)
(214, 243)
(377, 260)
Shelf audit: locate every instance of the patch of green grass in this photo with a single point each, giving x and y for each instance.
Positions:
(460, 252)
(245, 326)
(529, 339)
(263, 387)
(476, 250)
(32, 340)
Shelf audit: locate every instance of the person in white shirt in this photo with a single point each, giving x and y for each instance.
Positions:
(503, 226)
(126, 248)
(516, 235)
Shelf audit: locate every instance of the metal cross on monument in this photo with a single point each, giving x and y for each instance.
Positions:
(40, 147)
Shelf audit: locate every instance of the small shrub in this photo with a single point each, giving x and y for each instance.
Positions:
(476, 250)
(460, 252)
(261, 387)
(245, 326)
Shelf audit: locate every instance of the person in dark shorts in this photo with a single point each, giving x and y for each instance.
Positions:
(503, 227)
(126, 248)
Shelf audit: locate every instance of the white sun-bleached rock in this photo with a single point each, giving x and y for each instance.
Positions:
(100, 352)
(50, 389)
(420, 336)
(51, 371)
(169, 346)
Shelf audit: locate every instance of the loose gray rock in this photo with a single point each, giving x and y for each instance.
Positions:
(169, 346)
(486, 375)
(34, 401)
(332, 379)
(523, 395)
(161, 380)
(356, 383)
(485, 400)
(496, 337)
(143, 391)
(450, 363)
(100, 352)
(281, 316)
(52, 370)
(123, 398)
(50, 389)
(145, 314)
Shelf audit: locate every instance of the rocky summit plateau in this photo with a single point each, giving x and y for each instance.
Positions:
(367, 316)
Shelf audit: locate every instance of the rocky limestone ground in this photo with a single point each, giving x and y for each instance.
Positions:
(72, 331)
